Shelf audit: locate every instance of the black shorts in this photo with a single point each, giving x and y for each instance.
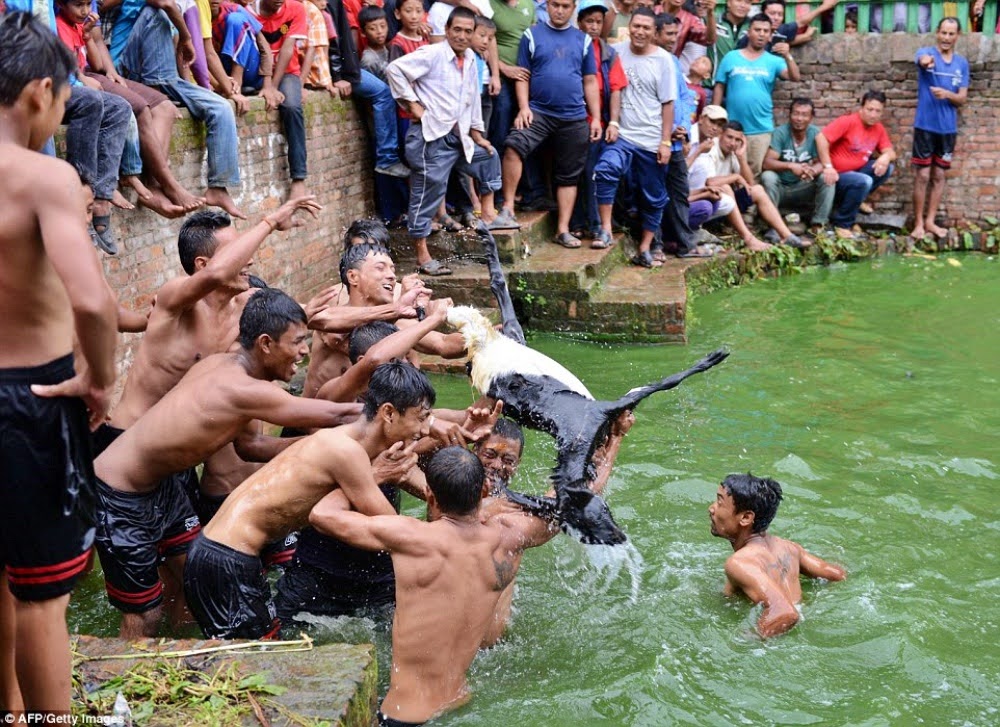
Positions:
(227, 593)
(933, 148)
(46, 484)
(136, 533)
(103, 437)
(570, 140)
(743, 199)
(305, 587)
(275, 554)
(384, 721)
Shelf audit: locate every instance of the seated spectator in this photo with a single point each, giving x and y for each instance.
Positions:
(727, 169)
(142, 48)
(284, 25)
(746, 78)
(695, 35)
(847, 147)
(244, 51)
(555, 103)
(315, 58)
(708, 203)
(793, 174)
(375, 29)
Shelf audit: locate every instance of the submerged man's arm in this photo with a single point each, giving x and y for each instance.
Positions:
(779, 613)
(815, 567)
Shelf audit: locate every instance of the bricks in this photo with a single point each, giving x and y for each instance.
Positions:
(301, 261)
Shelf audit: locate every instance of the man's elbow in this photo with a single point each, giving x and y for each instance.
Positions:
(96, 302)
(777, 622)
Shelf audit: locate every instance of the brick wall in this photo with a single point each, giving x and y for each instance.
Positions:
(837, 69)
(301, 261)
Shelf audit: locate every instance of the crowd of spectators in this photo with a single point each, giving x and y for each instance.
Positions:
(600, 110)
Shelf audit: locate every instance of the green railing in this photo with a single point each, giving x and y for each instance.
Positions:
(986, 23)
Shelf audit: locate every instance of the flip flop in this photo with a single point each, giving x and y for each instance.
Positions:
(434, 268)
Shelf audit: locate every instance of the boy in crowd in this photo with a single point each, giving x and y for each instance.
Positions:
(54, 295)
(763, 567)
(375, 29)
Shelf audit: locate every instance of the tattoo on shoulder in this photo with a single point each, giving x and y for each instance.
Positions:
(504, 572)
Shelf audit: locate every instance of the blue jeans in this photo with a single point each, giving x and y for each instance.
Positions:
(852, 189)
(97, 124)
(504, 111)
(149, 58)
(617, 161)
(293, 121)
(372, 89)
(131, 165)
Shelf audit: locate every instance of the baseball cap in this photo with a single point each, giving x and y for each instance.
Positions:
(715, 113)
(586, 5)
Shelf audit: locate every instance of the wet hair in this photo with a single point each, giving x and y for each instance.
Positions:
(355, 255)
(364, 337)
(802, 101)
(256, 282)
(950, 19)
(483, 22)
(197, 236)
(369, 14)
(643, 12)
(455, 476)
(399, 383)
(665, 19)
(760, 18)
(374, 232)
(506, 429)
(269, 311)
(460, 13)
(733, 126)
(29, 51)
(759, 495)
(873, 95)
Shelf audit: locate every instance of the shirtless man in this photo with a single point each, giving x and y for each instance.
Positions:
(764, 567)
(52, 291)
(143, 513)
(197, 314)
(500, 454)
(223, 579)
(450, 573)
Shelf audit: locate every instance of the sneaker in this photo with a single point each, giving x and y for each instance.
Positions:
(394, 170)
(505, 221)
(772, 237)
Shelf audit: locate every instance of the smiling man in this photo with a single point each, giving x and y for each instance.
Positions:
(144, 519)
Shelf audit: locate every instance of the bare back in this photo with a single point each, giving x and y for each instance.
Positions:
(37, 322)
(175, 341)
(776, 559)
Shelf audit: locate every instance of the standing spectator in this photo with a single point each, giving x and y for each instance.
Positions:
(512, 18)
(142, 48)
(555, 103)
(284, 24)
(439, 85)
(315, 59)
(375, 29)
(730, 26)
(410, 14)
(847, 148)
(745, 79)
(942, 87)
(692, 29)
(590, 15)
(793, 174)
(644, 132)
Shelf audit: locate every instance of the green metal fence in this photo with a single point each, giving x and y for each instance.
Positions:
(986, 22)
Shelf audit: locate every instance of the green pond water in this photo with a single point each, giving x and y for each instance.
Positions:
(872, 393)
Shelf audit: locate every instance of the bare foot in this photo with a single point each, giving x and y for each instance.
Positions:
(936, 230)
(182, 198)
(119, 201)
(756, 245)
(219, 197)
(158, 203)
(918, 233)
(137, 186)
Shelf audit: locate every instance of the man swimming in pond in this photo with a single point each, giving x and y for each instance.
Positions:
(764, 567)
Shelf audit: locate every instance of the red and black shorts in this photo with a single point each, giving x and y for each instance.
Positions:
(46, 484)
(932, 148)
(136, 533)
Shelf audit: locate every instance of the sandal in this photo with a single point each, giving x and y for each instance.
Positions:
(567, 240)
(602, 240)
(659, 256)
(645, 260)
(448, 224)
(701, 251)
(434, 268)
(102, 234)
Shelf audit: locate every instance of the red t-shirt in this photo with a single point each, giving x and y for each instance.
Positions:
(288, 24)
(71, 34)
(852, 143)
(401, 46)
(616, 76)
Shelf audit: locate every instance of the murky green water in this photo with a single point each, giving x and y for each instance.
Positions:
(872, 392)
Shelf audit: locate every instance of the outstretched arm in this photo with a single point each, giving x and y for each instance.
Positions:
(332, 516)
(779, 613)
(605, 455)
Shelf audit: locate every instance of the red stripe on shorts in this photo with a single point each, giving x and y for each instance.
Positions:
(49, 573)
(186, 537)
(137, 598)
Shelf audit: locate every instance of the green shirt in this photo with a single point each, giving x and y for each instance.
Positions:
(726, 36)
(511, 22)
(788, 151)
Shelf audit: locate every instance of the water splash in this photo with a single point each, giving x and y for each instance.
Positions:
(601, 568)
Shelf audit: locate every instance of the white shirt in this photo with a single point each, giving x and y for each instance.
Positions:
(431, 76)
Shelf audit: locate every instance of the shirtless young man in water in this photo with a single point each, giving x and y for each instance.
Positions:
(196, 314)
(764, 567)
(52, 291)
(450, 573)
(144, 514)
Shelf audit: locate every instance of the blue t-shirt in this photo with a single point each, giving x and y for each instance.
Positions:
(939, 115)
(128, 13)
(558, 61)
(749, 85)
